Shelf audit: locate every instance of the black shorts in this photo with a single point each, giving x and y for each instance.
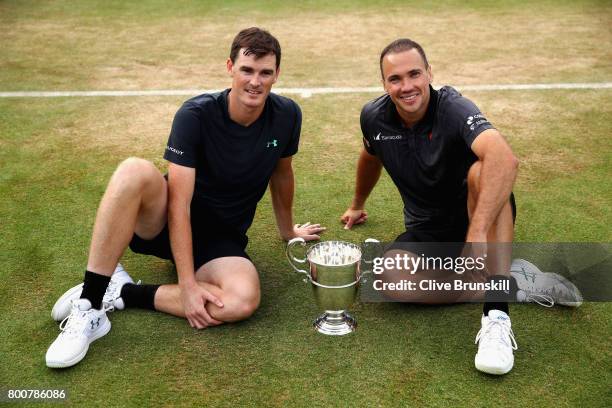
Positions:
(450, 229)
(211, 239)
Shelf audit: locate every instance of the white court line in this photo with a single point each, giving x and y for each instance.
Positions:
(304, 92)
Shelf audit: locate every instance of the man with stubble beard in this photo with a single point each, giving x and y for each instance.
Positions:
(455, 173)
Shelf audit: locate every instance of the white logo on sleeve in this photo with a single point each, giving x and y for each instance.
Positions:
(173, 150)
(476, 120)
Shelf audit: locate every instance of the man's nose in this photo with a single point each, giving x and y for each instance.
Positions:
(406, 85)
(255, 80)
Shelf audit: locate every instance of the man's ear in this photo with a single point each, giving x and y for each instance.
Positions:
(229, 65)
(384, 84)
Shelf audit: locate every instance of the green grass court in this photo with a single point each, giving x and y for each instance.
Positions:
(58, 153)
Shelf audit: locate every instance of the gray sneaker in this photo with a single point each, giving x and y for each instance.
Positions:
(544, 288)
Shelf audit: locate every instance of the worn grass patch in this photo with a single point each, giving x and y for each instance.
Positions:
(54, 46)
(552, 152)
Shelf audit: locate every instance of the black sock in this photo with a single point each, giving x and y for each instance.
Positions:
(140, 296)
(498, 299)
(94, 287)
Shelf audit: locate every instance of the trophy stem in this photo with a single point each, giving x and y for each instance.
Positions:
(335, 323)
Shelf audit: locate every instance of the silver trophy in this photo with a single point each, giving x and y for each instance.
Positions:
(334, 270)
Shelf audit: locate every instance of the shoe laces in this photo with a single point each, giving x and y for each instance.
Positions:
(548, 295)
(536, 297)
(540, 296)
(75, 322)
(496, 332)
(111, 292)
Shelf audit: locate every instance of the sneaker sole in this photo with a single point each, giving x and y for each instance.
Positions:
(493, 370)
(103, 331)
(568, 284)
(59, 311)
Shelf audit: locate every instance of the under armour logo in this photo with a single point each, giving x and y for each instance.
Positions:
(273, 143)
(95, 324)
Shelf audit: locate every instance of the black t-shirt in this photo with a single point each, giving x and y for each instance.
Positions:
(233, 163)
(428, 162)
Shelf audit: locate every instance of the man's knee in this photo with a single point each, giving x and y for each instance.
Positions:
(244, 299)
(396, 274)
(239, 283)
(133, 175)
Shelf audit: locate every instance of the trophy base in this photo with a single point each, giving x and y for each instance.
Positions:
(335, 323)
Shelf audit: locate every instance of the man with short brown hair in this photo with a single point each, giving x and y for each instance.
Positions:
(224, 150)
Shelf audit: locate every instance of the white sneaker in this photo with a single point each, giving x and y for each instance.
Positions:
(543, 288)
(495, 344)
(82, 326)
(120, 277)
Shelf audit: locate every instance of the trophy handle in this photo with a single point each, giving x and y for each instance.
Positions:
(368, 262)
(292, 259)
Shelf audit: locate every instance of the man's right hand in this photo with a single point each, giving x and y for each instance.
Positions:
(352, 217)
(194, 299)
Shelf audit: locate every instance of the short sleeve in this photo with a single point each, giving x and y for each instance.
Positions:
(292, 146)
(466, 119)
(367, 143)
(184, 137)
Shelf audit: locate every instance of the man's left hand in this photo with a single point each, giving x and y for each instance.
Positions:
(308, 231)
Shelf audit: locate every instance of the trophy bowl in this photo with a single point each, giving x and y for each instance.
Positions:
(333, 269)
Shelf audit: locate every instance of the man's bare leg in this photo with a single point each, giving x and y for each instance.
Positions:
(495, 338)
(501, 234)
(135, 201)
(234, 280)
